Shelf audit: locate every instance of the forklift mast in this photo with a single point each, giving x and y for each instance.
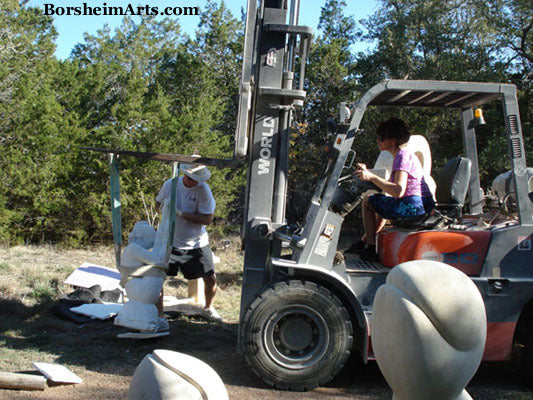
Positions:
(271, 89)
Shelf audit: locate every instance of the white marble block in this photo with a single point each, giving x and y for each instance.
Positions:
(143, 272)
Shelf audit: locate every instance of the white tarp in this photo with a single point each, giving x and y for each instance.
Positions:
(88, 275)
(100, 311)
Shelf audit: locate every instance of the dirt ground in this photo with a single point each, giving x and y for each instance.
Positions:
(30, 332)
(215, 345)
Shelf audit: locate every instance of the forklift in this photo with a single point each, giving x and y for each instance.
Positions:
(304, 310)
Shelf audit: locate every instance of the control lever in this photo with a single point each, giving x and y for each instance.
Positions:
(352, 160)
(286, 234)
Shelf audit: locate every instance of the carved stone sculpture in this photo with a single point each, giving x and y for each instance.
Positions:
(169, 375)
(428, 331)
(143, 272)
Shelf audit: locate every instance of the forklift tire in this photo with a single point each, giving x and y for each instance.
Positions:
(297, 335)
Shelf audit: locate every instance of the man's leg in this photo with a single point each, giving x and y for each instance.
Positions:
(173, 267)
(202, 266)
(159, 305)
(210, 289)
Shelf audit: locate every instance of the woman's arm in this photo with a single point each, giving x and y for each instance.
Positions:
(396, 188)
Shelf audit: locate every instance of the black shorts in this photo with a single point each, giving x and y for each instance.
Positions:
(193, 263)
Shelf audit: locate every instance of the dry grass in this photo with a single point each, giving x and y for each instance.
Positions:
(33, 274)
(31, 281)
(30, 273)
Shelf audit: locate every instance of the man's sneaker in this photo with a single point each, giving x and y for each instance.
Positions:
(211, 314)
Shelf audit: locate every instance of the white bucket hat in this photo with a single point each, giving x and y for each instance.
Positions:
(199, 172)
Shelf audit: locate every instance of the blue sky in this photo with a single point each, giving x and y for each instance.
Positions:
(72, 28)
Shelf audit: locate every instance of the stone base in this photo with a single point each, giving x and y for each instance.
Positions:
(137, 315)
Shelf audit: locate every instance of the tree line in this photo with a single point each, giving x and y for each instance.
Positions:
(147, 86)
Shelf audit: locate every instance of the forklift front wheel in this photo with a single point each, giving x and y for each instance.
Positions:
(297, 335)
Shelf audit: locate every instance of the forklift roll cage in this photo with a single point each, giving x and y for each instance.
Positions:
(319, 265)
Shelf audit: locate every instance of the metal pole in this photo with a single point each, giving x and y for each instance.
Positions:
(280, 189)
(293, 20)
(469, 142)
(295, 12)
(172, 209)
(282, 166)
(114, 185)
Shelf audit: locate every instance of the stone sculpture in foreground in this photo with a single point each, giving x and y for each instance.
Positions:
(169, 375)
(428, 331)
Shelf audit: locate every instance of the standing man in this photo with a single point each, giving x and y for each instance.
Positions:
(195, 206)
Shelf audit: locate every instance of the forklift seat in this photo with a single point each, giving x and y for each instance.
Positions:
(450, 194)
(452, 187)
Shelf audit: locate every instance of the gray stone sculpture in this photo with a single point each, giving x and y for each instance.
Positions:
(428, 331)
(169, 375)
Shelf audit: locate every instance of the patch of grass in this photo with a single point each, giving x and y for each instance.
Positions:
(43, 289)
(10, 333)
(64, 270)
(4, 267)
(11, 360)
(7, 291)
(39, 339)
(42, 292)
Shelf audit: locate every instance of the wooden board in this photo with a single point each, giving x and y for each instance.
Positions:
(10, 380)
(213, 162)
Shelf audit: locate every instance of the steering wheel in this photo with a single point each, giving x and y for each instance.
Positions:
(359, 186)
(347, 199)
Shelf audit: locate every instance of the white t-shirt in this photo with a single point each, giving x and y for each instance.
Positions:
(194, 200)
